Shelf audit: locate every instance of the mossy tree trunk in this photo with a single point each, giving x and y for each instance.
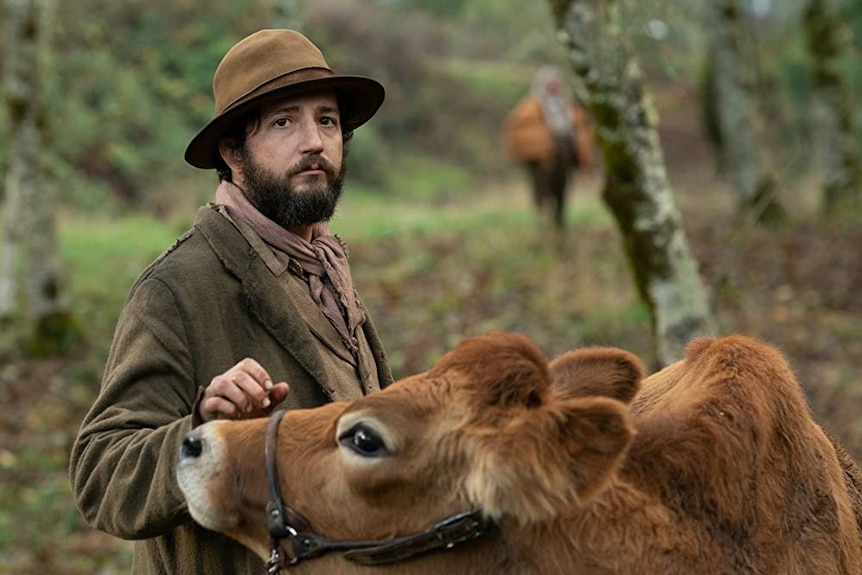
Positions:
(637, 188)
(30, 234)
(830, 40)
(735, 76)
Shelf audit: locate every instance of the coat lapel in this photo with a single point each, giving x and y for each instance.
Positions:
(317, 323)
(268, 298)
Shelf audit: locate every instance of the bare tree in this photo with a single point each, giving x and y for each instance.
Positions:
(829, 41)
(30, 233)
(637, 188)
(734, 83)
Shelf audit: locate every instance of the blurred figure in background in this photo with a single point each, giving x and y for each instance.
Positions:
(550, 136)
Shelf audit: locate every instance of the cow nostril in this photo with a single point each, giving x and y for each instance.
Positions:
(192, 446)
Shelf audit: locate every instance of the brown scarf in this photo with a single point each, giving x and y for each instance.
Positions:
(324, 261)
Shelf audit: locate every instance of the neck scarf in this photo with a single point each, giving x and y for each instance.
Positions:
(324, 261)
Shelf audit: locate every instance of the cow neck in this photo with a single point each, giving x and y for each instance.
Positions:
(284, 523)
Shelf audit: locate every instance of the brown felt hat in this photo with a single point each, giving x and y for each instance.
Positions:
(270, 64)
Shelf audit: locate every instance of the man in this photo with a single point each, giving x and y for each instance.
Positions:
(256, 296)
(550, 136)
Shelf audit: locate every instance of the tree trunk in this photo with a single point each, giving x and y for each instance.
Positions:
(637, 189)
(30, 220)
(739, 120)
(15, 96)
(829, 42)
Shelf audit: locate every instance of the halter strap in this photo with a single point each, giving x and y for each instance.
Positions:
(283, 522)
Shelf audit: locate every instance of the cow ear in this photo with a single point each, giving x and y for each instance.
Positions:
(499, 370)
(537, 464)
(604, 372)
(597, 432)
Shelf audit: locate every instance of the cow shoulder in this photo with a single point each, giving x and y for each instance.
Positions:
(726, 434)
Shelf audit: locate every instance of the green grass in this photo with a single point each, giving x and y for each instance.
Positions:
(104, 257)
(369, 217)
(455, 207)
(116, 245)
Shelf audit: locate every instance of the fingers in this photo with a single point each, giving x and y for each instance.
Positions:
(249, 372)
(218, 408)
(245, 386)
(279, 393)
(247, 392)
(244, 390)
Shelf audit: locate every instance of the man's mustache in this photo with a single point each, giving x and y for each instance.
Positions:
(309, 163)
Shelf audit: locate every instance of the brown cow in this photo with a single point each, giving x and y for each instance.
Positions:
(714, 465)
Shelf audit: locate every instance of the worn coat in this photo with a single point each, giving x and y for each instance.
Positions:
(216, 296)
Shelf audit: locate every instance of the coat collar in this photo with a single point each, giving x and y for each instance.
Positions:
(265, 298)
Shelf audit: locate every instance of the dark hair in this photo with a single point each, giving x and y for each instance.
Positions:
(249, 122)
(237, 133)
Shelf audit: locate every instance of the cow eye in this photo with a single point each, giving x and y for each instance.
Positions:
(363, 440)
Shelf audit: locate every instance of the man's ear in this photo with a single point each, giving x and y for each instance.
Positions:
(230, 155)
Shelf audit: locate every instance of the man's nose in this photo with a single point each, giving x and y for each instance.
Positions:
(312, 141)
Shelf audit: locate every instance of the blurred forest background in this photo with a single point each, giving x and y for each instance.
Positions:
(444, 242)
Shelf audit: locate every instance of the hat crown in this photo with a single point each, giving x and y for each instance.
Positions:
(271, 64)
(261, 58)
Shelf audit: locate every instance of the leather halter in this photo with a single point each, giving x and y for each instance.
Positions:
(285, 523)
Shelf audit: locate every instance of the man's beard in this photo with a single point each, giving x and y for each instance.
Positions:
(274, 197)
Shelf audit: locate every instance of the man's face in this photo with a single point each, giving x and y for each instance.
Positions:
(291, 167)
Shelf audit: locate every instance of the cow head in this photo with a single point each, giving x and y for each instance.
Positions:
(483, 429)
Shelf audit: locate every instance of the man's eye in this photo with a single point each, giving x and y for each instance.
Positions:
(363, 440)
(327, 121)
(281, 122)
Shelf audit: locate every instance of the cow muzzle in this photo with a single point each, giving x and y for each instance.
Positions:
(200, 474)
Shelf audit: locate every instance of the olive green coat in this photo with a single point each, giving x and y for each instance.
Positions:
(215, 297)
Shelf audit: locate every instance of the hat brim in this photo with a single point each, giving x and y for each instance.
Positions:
(359, 96)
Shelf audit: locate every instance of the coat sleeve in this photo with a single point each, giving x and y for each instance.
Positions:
(123, 461)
